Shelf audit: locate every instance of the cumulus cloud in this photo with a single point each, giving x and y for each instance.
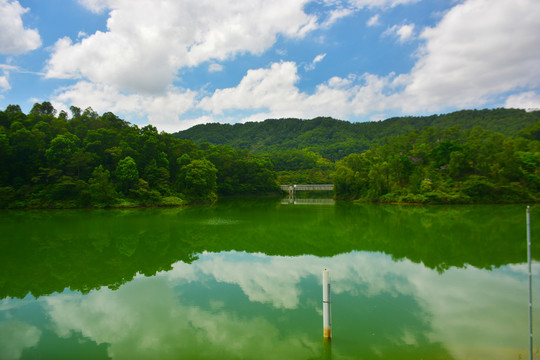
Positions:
(266, 93)
(373, 21)
(14, 37)
(379, 3)
(96, 6)
(477, 52)
(273, 91)
(479, 49)
(260, 88)
(214, 67)
(346, 8)
(146, 45)
(526, 100)
(162, 110)
(403, 33)
(4, 83)
(336, 15)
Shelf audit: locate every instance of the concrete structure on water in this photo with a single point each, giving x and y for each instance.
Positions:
(292, 189)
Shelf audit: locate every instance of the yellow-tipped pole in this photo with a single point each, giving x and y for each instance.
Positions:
(327, 318)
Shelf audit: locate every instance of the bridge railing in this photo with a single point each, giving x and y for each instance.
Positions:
(307, 187)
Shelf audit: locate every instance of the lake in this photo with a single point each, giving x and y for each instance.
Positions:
(243, 279)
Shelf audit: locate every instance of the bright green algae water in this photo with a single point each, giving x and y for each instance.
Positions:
(242, 279)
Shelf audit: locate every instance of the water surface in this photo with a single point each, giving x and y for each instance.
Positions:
(242, 279)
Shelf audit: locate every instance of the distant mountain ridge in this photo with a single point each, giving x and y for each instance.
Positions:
(334, 139)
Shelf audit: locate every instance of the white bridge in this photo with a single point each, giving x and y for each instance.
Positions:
(292, 189)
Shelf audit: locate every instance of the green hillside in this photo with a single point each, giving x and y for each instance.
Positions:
(334, 139)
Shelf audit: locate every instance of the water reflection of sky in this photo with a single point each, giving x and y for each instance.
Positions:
(260, 306)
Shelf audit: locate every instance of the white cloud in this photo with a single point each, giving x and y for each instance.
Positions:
(316, 60)
(384, 4)
(159, 317)
(147, 316)
(273, 91)
(348, 7)
(131, 67)
(260, 88)
(146, 319)
(214, 67)
(460, 302)
(479, 49)
(373, 21)
(404, 32)
(526, 100)
(15, 336)
(4, 83)
(96, 6)
(4, 78)
(7, 70)
(146, 45)
(335, 15)
(14, 38)
(319, 58)
(161, 110)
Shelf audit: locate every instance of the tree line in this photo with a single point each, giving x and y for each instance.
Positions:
(445, 166)
(463, 157)
(88, 160)
(50, 160)
(334, 139)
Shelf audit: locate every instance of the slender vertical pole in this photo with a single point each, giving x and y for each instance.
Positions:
(327, 318)
(530, 281)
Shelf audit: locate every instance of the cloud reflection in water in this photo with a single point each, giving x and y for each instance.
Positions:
(201, 310)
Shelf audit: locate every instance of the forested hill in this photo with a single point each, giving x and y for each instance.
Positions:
(334, 139)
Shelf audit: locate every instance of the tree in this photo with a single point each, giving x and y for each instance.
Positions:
(75, 111)
(45, 108)
(127, 174)
(101, 188)
(61, 149)
(199, 180)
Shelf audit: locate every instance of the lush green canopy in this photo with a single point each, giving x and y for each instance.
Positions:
(103, 161)
(444, 166)
(335, 139)
(91, 160)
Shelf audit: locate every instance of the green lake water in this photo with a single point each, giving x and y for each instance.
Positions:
(241, 279)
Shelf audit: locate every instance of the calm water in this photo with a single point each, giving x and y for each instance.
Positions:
(242, 279)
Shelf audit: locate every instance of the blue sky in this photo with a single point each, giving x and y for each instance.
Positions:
(175, 64)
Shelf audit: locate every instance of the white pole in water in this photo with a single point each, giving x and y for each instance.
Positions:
(530, 281)
(327, 318)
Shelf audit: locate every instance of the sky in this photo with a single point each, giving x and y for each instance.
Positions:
(175, 64)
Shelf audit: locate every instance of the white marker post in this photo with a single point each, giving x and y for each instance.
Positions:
(530, 281)
(327, 318)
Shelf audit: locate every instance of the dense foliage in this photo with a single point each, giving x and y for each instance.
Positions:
(445, 166)
(48, 160)
(304, 151)
(335, 139)
(301, 167)
(90, 160)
